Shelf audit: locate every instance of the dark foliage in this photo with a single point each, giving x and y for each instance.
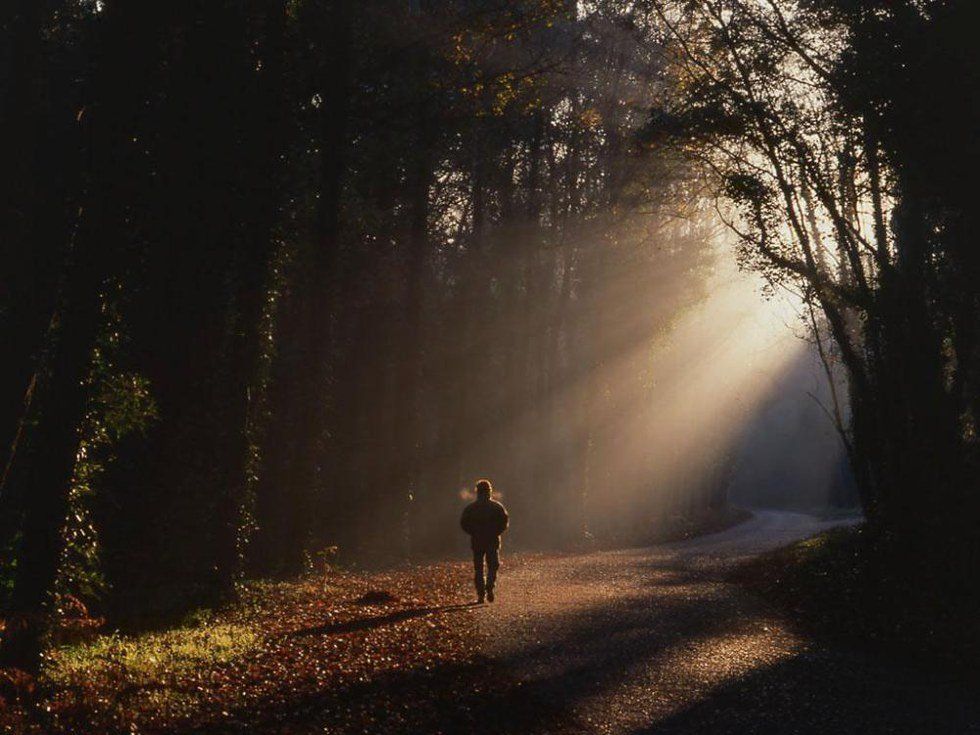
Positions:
(838, 134)
(283, 277)
(280, 279)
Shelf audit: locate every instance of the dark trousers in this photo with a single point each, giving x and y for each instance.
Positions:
(493, 564)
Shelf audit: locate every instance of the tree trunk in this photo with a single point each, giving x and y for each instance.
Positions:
(45, 462)
(49, 462)
(39, 141)
(264, 143)
(292, 473)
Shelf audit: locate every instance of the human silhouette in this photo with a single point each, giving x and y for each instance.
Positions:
(484, 520)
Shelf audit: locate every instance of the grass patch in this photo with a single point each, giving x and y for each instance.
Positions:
(280, 649)
(839, 586)
(823, 579)
(149, 657)
(108, 682)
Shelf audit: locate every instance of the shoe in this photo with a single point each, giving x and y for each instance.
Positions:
(490, 595)
(479, 599)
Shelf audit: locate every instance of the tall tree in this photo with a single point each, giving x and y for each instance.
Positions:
(45, 459)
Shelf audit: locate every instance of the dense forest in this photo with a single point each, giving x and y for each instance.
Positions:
(842, 137)
(280, 278)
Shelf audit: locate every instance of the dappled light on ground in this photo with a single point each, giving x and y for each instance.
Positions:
(625, 642)
(658, 640)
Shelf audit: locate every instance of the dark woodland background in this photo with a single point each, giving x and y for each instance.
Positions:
(279, 276)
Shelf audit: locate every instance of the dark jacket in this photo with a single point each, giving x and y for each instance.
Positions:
(484, 520)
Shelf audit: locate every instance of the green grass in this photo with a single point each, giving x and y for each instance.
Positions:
(149, 657)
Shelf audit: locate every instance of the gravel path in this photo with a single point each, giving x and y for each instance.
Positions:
(655, 641)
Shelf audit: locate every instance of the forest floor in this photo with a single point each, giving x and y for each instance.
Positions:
(659, 639)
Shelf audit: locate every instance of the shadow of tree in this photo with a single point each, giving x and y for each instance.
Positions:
(481, 695)
(471, 697)
(538, 685)
(377, 621)
(819, 694)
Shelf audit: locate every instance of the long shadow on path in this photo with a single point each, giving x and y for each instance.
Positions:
(377, 621)
(682, 653)
(827, 694)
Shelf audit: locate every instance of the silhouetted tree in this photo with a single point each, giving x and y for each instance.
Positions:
(845, 160)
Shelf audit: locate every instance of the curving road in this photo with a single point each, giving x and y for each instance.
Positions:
(655, 641)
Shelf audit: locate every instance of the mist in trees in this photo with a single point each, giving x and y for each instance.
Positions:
(281, 279)
(839, 136)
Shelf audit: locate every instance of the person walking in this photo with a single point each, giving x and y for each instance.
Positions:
(484, 520)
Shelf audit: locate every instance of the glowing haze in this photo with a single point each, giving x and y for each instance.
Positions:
(668, 407)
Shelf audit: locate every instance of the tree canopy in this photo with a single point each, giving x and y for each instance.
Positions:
(282, 277)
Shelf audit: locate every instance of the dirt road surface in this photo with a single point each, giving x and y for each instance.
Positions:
(655, 641)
